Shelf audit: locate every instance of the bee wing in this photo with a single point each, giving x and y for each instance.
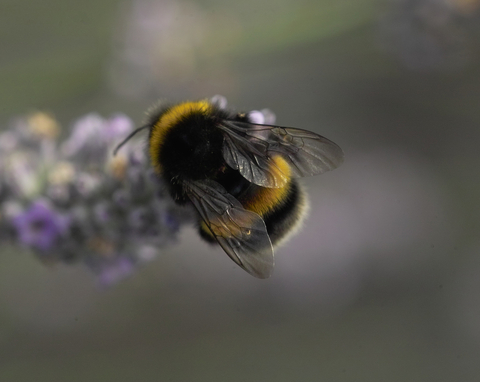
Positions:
(241, 233)
(250, 148)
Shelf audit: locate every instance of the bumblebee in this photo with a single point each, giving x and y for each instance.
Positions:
(240, 176)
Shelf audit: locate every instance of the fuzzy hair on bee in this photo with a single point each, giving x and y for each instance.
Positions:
(241, 176)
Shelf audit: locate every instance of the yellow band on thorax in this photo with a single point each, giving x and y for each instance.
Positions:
(169, 119)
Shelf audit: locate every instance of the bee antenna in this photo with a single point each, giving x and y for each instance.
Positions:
(119, 146)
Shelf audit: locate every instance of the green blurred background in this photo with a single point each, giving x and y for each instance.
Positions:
(382, 282)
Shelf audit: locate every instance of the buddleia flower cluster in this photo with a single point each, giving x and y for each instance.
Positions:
(74, 201)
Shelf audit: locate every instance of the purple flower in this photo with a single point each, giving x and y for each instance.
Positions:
(117, 127)
(262, 117)
(114, 271)
(85, 134)
(219, 101)
(39, 226)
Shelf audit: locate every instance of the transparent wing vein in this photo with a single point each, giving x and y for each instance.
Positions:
(241, 233)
